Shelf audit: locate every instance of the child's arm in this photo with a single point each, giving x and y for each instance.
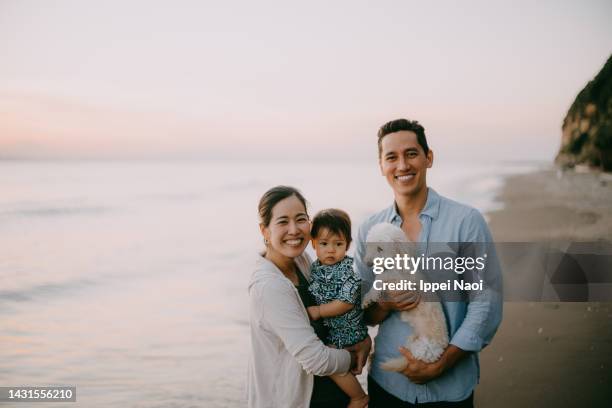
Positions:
(331, 309)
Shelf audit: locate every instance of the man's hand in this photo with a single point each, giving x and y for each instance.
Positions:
(362, 351)
(393, 300)
(314, 312)
(419, 372)
(401, 300)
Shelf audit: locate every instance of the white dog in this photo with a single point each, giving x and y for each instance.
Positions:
(429, 335)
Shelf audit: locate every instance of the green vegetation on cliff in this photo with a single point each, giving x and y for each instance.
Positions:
(587, 127)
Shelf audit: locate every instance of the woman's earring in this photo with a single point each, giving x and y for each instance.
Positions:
(266, 241)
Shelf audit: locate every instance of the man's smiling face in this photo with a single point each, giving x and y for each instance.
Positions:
(404, 163)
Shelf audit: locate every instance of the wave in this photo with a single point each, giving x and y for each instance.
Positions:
(44, 290)
(242, 185)
(55, 211)
(175, 197)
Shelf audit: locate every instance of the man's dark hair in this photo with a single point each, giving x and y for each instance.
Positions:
(335, 221)
(399, 125)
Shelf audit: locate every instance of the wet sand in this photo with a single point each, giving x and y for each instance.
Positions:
(551, 354)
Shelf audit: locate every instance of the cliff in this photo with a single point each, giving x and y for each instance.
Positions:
(587, 127)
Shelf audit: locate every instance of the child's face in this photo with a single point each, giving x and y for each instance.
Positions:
(330, 248)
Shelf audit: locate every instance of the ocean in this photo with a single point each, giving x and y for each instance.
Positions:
(128, 279)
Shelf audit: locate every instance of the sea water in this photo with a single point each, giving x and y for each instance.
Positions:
(128, 279)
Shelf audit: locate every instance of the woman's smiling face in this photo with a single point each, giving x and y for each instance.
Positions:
(288, 233)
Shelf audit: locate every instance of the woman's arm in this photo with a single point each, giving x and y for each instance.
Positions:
(330, 309)
(282, 312)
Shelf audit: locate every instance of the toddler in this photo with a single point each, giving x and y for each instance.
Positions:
(337, 290)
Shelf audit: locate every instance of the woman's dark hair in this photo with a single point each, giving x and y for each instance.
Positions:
(272, 197)
(398, 125)
(335, 221)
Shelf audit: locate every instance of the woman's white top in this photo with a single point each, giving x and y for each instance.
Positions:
(285, 351)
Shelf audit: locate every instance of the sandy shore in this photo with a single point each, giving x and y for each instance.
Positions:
(551, 354)
(553, 205)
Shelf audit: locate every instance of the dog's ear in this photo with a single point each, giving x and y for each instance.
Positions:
(401, 244)
(399, 248)
(373, 250)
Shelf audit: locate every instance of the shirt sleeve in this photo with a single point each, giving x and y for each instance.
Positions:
(284, 314)
(362, 270)
(350, 290)
(484, 310)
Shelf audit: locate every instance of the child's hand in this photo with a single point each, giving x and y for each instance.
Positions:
(314, 312)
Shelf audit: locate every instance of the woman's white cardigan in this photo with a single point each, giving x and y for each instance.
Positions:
(285, 351)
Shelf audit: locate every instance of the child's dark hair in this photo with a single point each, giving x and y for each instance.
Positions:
(335, 221)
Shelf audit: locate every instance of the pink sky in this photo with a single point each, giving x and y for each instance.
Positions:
(123, 79)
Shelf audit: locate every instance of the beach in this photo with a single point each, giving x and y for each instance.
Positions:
(551, 205)
(128, 280)
(553, 353)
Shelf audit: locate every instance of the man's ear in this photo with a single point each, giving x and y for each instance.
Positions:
(430, 158)
(380, 166)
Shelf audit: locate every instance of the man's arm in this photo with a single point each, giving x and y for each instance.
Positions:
(484, 310)
(375, 314)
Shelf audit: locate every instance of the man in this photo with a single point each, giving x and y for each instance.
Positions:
(426, 217)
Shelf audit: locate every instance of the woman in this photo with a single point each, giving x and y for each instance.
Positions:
(286, 354)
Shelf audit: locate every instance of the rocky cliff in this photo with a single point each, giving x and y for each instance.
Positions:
(587, 127)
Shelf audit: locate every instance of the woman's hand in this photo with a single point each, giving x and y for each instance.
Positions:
(353, 361)
(361, 351)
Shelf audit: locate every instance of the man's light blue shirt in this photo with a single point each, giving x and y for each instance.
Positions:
(471, 325)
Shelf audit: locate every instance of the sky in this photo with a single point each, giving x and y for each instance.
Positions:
(279, 79)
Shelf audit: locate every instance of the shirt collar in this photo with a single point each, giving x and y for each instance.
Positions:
(431, 209)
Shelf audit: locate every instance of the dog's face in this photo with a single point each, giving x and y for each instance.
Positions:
(384, 240)
(373, 250)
